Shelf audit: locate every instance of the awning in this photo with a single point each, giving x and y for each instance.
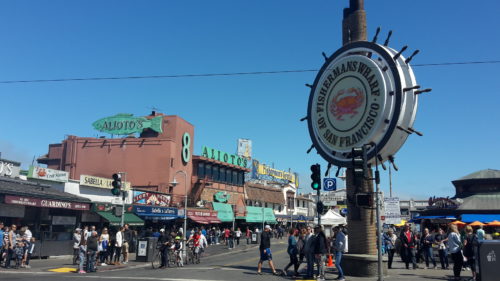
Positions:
(128, 218)
(224, 211)
(155, 213)
(257, 214)
(434, 217)
(203, 216)
(480, 217)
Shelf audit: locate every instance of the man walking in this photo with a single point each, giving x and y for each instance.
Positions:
(408, 246)
(127, 239)
(164, 241)
(92, 243)
(309, 251)
(265, 250)
(320, 251)
(339, 250)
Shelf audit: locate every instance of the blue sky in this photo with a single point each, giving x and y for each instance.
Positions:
(61, 39)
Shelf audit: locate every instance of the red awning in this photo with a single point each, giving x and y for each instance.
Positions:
(203, 216)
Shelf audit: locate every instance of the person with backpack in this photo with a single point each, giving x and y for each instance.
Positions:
(470, 240)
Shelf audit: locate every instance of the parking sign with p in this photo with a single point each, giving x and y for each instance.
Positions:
(329, 184)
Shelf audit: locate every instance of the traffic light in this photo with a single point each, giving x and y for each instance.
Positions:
(360, 165)
(316, 177)
(117, 184)
(364, 200)
(320, 207)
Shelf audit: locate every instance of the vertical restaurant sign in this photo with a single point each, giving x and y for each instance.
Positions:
(263, 170)
(36, 172)
(150, 198)
(100, 182)
(218, 155)
(245, 148)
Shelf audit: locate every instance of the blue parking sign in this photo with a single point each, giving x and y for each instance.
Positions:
(329, 184)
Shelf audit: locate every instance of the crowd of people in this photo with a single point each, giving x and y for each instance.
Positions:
(16, 244)
(415, 248)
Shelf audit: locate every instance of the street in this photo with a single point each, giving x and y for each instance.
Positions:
(221, 264)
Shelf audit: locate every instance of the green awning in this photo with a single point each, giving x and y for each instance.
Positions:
(129, 218)
(257, 214)
(224, 211)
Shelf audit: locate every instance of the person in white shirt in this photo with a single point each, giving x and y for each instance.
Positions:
(118, 245)
(238, 236)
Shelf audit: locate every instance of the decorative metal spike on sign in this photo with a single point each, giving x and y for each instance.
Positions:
(385, 68)
(404, 130)
(380, 159)
(303, 119)
(407, 61)
(328, 169)
(400, 52)
(411, 88)
(309, 85)
(423, 91)
(325, 56)
(375, 38)
(338, 172)
(391, 159)
(310, 148)
(415, 131)
(388, 38)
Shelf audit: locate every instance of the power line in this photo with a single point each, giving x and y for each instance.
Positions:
(219, 74)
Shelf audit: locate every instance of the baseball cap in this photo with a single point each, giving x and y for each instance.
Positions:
(162, 230)
(268, 227)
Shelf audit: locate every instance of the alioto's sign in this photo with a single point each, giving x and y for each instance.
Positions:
(362, 95)
(124, 124)
(222, 156)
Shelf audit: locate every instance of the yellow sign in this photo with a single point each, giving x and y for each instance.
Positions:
(100, 182)
(261, 169)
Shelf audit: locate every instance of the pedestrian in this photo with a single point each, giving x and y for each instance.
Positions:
(227, 233)
(2, 234)
(127, 240)
(231, 238)
(82, 253)
(11, 243)
(164, 243)
(470, 240)
(320, 250)
(480, 233)
(238, 236)
(29, 252)
(300, 245)
(455, 245)
(340, 243)
(103, 246)
(407, 238)
(389, 240)
(248, 235)
(77, 236)
(309, 240)
(92, 247)
(426, 241)
(292, 251)
(265, 250)
(118, 245)
(441, 241)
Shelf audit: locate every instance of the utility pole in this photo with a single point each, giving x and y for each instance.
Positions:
(390, 182)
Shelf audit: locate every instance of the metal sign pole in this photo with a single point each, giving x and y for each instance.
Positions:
(319, 199)
(124, 177)
(379, 226)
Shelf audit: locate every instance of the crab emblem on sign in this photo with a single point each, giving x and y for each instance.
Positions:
(346, 102)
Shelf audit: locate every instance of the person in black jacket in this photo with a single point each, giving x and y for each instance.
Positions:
(265, 250)
(127, 240)
(92, 243)
(164, 242)
(320, 251)
(408, 241)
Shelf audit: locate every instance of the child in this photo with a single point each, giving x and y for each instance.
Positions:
(19, 253)
(177, 247)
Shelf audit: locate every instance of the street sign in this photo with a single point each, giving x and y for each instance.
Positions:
(329, 184)
(392, 210)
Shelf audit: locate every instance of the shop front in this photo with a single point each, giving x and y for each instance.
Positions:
(203, 216)
(110, 216)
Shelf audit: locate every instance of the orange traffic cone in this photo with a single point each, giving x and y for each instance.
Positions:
(330, 261)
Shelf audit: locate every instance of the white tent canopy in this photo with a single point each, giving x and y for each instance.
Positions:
(331, 218)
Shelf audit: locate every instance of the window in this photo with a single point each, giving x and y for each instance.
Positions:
(235, 178)
(303, 204)
(208, 171)
(265, 205)
(279, 208)
(240, 178)
(215, 173)
(228, 176)
(201, 170)
(222, 174)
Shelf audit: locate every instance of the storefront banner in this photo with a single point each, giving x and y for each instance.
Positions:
(100, 182)
(45, 203)
(208, 214)
(36, 172)
(151, 198)
(155, 211)
(263, 170)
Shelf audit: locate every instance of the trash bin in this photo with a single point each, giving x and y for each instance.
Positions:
(146, 249)
(255, 239)
(487, 253)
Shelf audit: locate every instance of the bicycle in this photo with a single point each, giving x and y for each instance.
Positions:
(194, 255)
(156, 262)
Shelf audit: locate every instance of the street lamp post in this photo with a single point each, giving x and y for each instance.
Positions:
(174, 183)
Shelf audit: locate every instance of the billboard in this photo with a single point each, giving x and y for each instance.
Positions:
(263, 171)
(245, 148)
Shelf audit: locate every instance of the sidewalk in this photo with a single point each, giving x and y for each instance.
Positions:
(65, 263)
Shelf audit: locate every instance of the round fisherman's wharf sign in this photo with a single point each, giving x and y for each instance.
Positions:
(360, 97)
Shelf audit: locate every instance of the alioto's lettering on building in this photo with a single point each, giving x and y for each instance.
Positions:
(222, 156)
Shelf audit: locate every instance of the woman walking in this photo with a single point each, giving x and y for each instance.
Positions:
(470, 239)
(455, 245)
(82, 248)
(426, 242)
(293, 252)
(103, 246)
(390, 245)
